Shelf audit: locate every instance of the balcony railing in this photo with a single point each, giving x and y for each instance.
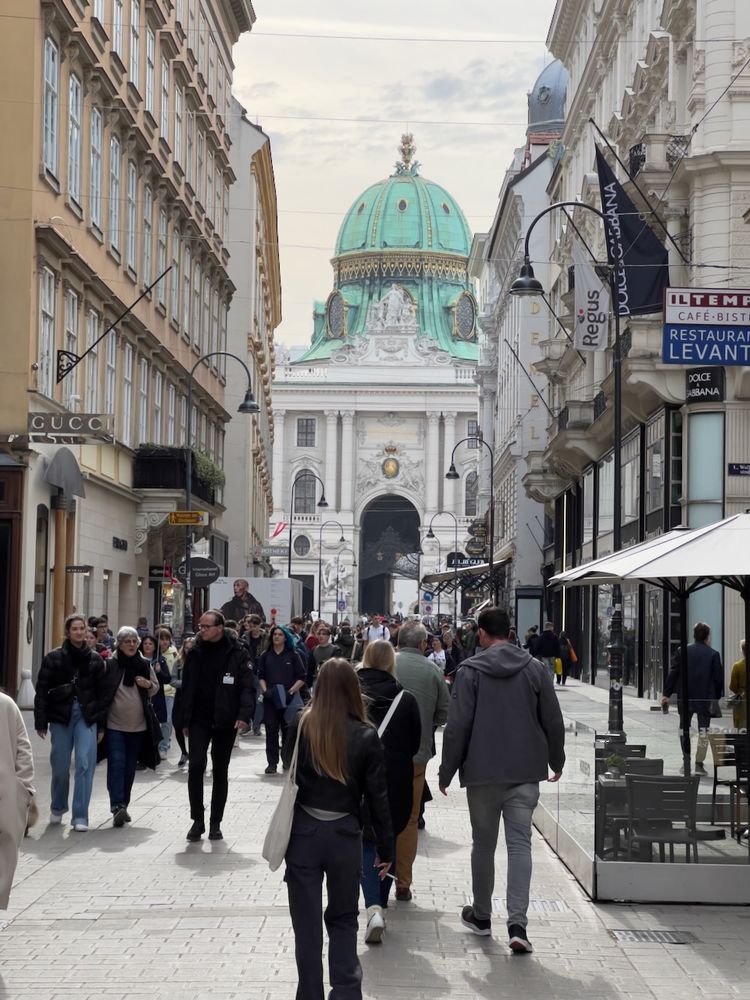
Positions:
(157, 468)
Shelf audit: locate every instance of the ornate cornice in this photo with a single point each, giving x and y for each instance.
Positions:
(400, 263)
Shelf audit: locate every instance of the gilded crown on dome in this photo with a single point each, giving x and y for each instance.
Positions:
(407, 149)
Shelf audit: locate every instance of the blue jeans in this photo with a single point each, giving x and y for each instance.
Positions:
(166, 727)
(122, 757)
(375, 890)
(76, 735)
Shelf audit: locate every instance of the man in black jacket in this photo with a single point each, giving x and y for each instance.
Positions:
(705, 685)
(71, 700)
(548, 649)
(217, 700)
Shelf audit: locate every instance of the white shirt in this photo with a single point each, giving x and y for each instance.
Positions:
(378, 632)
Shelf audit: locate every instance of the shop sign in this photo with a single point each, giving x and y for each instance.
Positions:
(464, 562)
(710, 326)
(704, 385)
(475, 546)
(738, 469)
(188, 518)
(78, 569)
(203, 571)
(160, 574)
(67, 425)
(270, 551)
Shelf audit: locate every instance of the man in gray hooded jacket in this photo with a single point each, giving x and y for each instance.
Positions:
(505, 732)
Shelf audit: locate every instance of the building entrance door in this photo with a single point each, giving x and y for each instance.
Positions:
(388, 550)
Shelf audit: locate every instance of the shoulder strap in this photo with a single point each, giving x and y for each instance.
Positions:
(389, 714)
(295, 753)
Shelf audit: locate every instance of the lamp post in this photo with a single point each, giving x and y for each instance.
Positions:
(433, 538)
(338, 560)
(431, 534)
(527, 284)
(420, 553)
(320, 561)
(321, 503)
(453, 474)
(248, 405)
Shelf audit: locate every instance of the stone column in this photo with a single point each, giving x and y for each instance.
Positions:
(432, 462)
(347, 460)
(330, 463)
(278, 454)
(450, 491)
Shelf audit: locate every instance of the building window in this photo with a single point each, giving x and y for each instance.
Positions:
(471, 486)
(212, 345)
(174, 303)
(95, 169)
(161, 257)
(186, 291)
(588, 506)
(225, 229)
(180, 11)
(199, 166)
(206, 315)
(306, 432)
(305, 487)
(472, 431)
(217, 197)
(655, 437)
(127, 395)
(220, 87)
(117, 27)
(99, 15)
(183, 418)
(71, 343)
(211, 67)
(150, 69)
(51, 105)
(197, 275)
(209, 184)
(189, 143)
(148, 225)
(178, 124)
(91, 396)
(114, 192)
(301, 545)
(223, 339)
(202, 31)
(142, 400)
(110, 374)
(631, 477)
(164, 132)
(191, 24)
(45, 383)
(135, 43)
(130, 254)
(171, 400)
(74, 138)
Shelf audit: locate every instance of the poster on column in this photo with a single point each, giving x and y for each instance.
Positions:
(275, 599)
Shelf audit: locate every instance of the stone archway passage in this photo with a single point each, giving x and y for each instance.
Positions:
(390, 534)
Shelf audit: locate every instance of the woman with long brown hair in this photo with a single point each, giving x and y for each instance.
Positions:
(340, 762)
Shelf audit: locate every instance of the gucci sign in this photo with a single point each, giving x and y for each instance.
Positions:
(78, 425)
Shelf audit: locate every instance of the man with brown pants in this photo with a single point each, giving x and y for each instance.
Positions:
(420, 676)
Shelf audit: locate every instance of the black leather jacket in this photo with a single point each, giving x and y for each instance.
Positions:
(235, 700)
(365, 772)
(55, 687)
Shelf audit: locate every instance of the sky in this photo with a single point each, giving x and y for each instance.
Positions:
(335, 108)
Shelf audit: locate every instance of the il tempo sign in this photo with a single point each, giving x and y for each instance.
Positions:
(706, 326)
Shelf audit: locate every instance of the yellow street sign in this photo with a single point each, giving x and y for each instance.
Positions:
(189, 518)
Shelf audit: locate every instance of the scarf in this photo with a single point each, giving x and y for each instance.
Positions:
(135, 666)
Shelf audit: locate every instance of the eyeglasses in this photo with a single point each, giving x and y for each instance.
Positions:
(210, 625)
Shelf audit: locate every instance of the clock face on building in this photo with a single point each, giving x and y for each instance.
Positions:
(465, 317)
(390, 468)
(335, 316)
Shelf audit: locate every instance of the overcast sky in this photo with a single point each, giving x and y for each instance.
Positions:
(335, 108)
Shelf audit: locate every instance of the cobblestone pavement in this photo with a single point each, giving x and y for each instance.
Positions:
(138, 912)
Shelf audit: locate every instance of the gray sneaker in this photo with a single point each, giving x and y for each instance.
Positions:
(700, 768)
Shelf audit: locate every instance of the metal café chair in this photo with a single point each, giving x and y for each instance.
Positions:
(613, 813)
(625, 750)
(655, 805)
(723, 751)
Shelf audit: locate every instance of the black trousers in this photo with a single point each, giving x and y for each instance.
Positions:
(273, 720)
(221, 741)
(334, 849)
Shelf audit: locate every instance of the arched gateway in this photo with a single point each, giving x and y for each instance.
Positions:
(389, 542)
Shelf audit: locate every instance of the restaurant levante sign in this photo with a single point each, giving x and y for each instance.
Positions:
(706, 326)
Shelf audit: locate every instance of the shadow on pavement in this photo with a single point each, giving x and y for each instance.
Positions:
(206, 858)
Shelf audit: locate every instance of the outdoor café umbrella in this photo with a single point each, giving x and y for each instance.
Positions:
(681, 561)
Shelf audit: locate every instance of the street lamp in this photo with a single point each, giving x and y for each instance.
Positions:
(419, 554)
(248, 405)
(528, 284)
(431, 534)
(338, 560)
(433, 538)
(320, 560)
(321, 503)
(453, 474)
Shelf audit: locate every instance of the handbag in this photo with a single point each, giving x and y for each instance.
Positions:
(572, 652)
(153, 726)
(714, 709)
(280, 828)
(734, 700)
(558, 666)
(389, 714)
(60, 693)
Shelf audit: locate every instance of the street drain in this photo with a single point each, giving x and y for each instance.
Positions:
(535, 905)
(624, 936)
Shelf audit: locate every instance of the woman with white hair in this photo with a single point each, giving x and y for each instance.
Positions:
(132, 682)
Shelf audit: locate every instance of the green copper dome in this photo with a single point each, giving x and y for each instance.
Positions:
(404, 211)
(404, 241)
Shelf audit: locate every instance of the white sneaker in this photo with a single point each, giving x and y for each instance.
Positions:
(80, 826)
(55, 819)
(375, 925)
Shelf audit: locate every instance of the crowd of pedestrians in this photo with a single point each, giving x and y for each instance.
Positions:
(356, 707)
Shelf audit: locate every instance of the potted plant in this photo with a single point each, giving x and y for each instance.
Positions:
(615, 765)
